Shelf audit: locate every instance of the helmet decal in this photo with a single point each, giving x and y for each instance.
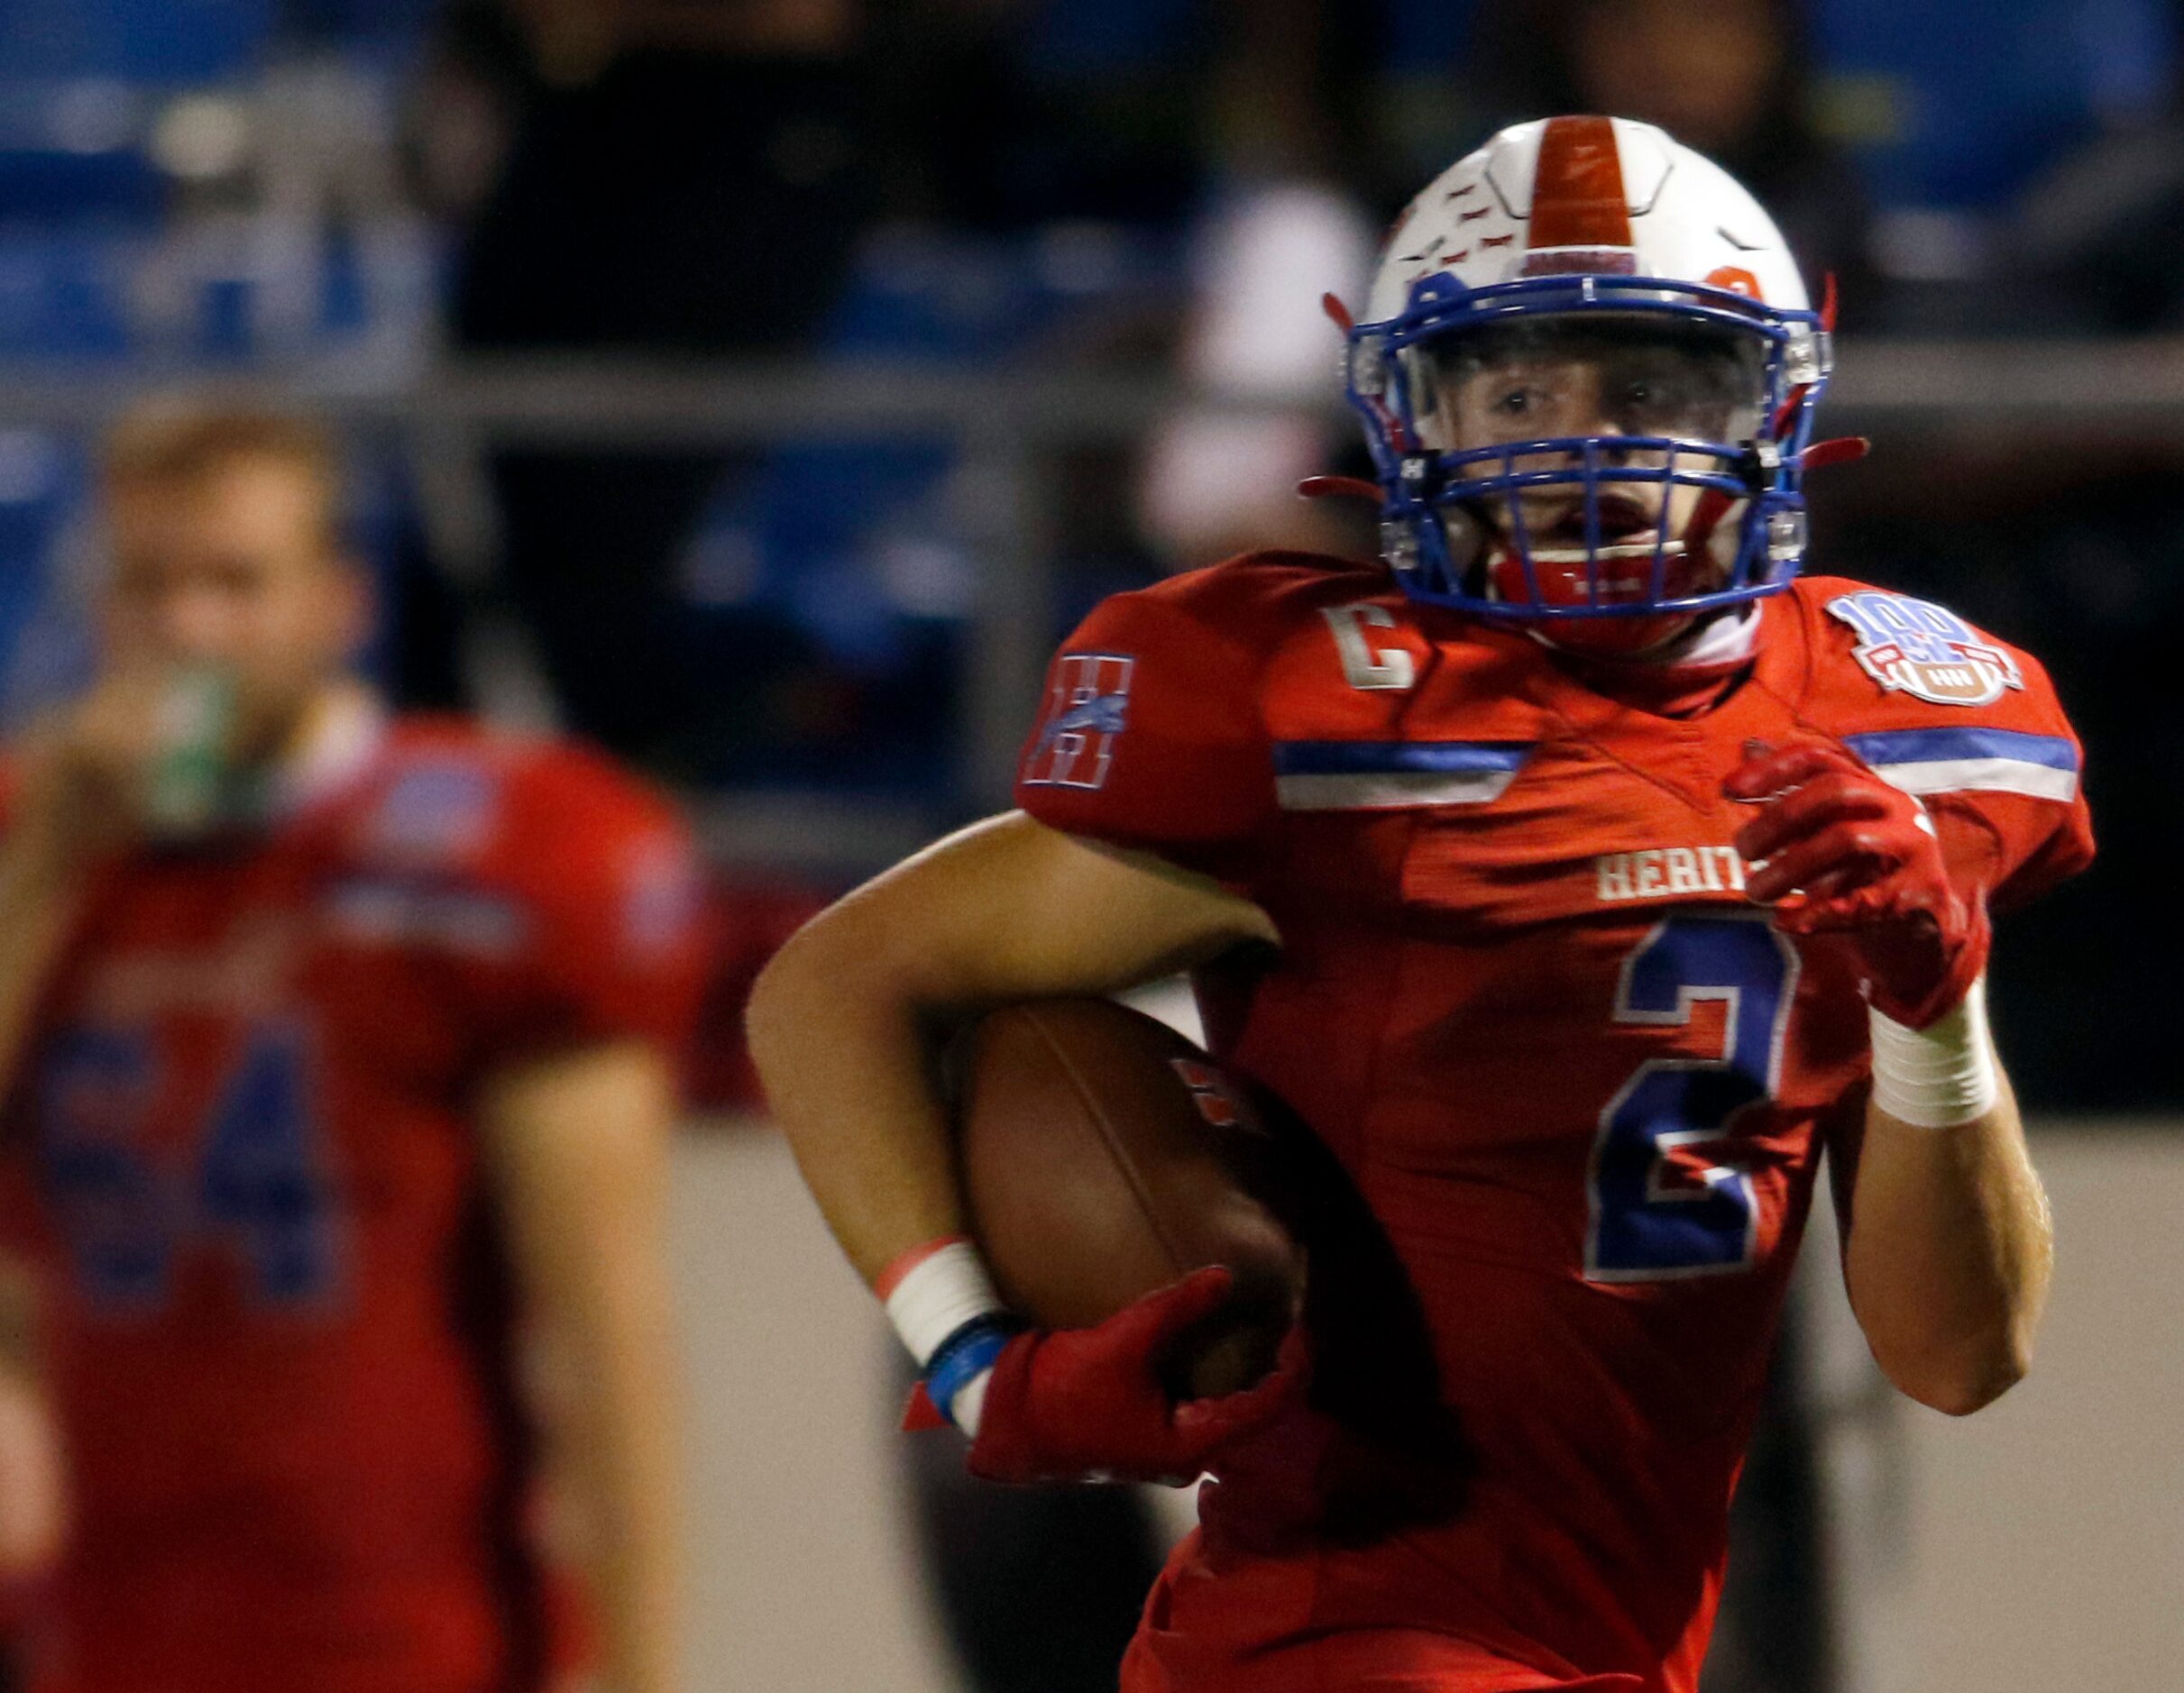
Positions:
(1737, 280)
(1579, 211)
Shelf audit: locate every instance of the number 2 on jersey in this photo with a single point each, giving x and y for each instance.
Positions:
(251, 1183)
(1665, 1200)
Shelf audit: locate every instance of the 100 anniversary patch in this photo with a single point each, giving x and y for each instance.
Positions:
(1916, 647)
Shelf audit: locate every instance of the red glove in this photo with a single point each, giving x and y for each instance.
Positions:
(1083, 1405)
(1836, 850)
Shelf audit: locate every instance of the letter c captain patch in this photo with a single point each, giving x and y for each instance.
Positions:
(1088, 706)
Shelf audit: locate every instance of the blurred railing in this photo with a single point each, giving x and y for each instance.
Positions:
(2061, 384)
(1006, 425)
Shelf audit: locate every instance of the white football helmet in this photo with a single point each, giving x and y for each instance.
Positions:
(1602, 240)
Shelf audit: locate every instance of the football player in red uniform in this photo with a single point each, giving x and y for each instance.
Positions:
(1582, 874)
(340, 1051)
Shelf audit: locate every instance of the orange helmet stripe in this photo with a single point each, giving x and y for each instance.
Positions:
(1578, 199)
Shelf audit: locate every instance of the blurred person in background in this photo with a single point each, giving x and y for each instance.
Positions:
(634, 178)
(1284, 226)
(340, 1054)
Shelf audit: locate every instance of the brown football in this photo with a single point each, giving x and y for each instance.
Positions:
(1105, 1155)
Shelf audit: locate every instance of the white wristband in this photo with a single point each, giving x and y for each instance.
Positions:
(934, 1290)
(969, 1403)
(1941, 1076)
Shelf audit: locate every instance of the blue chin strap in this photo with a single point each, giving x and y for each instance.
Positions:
(1425, 493)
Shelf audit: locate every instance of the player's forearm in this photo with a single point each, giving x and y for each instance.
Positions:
(840, 1042)
(625, 1466)
(1949, 1255)
(840, 1021)
(580, 1164)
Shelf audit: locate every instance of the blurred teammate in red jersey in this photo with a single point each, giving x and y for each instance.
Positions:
(1581, 874)
(341, 1052)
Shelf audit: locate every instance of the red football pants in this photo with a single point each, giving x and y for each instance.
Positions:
(1263, 1630)
(1360, 1660)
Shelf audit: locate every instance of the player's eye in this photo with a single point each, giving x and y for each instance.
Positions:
(1653, 395)
(1515, 402)
(1656, 403)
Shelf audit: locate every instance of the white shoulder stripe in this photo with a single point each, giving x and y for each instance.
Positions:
(1391, 789)
(1982, 776)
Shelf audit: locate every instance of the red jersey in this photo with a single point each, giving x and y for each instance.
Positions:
(280, 1319)
(1582, 1083)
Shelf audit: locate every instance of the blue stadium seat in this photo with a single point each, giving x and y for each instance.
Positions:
(136, 40)
(1957, 102)
(964, 302)
(43, 640)
(72, 149)
(102, 292)
(56, 185)
(63, 294)
(853, 545)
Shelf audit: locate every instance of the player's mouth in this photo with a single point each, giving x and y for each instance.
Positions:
(1628, 535)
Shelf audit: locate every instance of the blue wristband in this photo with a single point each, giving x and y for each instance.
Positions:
(964, 1355)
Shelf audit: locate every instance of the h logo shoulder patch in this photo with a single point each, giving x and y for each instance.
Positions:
(1916, 647)
(1088, 708)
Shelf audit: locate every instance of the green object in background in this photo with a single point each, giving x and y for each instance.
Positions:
(189, 776)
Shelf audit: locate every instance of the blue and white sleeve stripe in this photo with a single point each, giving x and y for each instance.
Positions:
(1383, 775)
(1971, 760)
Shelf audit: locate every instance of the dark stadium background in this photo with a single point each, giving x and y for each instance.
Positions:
(760, 389)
